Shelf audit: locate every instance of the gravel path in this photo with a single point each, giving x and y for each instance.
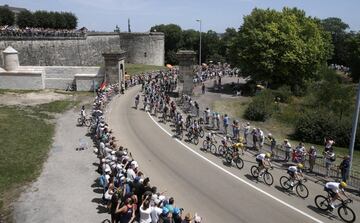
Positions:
(65, 190)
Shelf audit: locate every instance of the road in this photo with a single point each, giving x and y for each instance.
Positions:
(200, 182)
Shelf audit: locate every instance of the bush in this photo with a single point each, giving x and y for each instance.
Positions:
(283, 93)
(313, 126)
(262, 107)
(25, 19)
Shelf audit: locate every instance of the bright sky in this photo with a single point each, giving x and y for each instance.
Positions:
(104, 15)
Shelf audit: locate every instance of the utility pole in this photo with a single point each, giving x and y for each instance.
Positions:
(129, 29)
(354, 128)
(199, 20)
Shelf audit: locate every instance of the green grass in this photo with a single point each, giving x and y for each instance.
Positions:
(133, 69)
(26, 137)
(279, 125)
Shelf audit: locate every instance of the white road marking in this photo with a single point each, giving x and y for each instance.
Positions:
(236, 177)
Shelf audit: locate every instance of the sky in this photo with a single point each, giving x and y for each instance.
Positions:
(104, 15)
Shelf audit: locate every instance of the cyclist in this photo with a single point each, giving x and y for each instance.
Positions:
(194, 128)
(335, 189)
(83, 113)
(263, 160)
(295, 173)
(210, 138)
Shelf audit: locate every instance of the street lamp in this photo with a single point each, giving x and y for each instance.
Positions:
(199, 20)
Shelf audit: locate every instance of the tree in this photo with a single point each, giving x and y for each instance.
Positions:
(337, 29)
(7, 17)
(352, 58)
(25, 19)
(281, 48)
(226, 44)
(71, 20)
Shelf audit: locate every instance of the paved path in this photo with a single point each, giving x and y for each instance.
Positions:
(63, 192)
(200, 181)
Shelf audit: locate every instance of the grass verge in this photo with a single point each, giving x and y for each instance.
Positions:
(133, 69)
(26, 137)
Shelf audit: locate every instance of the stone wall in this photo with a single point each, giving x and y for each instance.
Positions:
(22, 79)
(142, 48)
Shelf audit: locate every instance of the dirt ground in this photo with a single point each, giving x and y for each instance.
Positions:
(31, 98)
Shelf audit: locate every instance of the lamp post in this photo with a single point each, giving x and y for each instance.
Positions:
(199, 20)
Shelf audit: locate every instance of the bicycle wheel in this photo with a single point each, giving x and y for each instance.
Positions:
(221, 150)
(195, 140)
(87, 122)
(346, 214)
(228, 158)
(213, 148)
(302, 190)
(205, 145)
(80, 121)
(254, 171)
(201, 133)
(285, 182)
(268, 178)
(322, 202)
(239, 162)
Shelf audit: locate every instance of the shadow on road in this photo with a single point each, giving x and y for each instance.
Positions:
(288, 192)
(98, 190)
(101, 209)
(250, 177)
(97, 200)
(326, 214)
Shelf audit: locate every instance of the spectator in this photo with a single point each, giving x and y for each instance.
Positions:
(272, 140)
(226, 121)
(344, 168)
(312, 158)
(145, 210)
(329, 142)
(203, 88)
(287, 146)
(329, 158)
(254, 137)
(246, 131)
(261, 137)
(177, 215)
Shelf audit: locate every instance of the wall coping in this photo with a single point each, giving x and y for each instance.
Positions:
(88, 75)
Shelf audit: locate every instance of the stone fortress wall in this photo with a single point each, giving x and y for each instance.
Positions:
(142, 48)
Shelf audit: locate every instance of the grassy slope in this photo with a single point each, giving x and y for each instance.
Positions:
(26, 137)
(236, 108)
(133, 69)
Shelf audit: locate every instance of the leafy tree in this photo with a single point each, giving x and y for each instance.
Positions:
(7, 17)
(71, 20)
(352, 45)
(281, 48)
(337, 29)
(210, 46)
(226, 44)
(25, 19)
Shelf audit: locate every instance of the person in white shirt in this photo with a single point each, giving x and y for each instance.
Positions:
(145, 210)
(295, 173)
(246, 131)
(335, 189)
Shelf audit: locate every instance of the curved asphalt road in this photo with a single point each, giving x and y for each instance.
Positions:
(219, 195)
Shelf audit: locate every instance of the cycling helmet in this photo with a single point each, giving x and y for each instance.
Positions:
(343, 184)
(300, 166)
(268, 155)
